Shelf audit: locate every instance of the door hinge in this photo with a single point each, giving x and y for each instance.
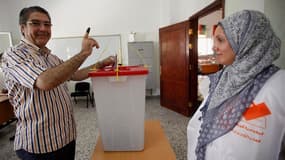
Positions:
(190, 46)
(190, 31)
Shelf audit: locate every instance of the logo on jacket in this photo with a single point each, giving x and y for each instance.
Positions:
(253, 123)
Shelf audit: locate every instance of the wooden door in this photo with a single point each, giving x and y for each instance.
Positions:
(174, 67)
(179, 62)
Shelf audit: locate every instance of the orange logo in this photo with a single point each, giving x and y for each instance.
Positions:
(253, 124)
(256, 111)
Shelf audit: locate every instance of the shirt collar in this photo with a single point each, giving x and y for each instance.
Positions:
(42, 51)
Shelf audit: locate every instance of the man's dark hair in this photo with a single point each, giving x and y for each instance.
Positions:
(25, 13)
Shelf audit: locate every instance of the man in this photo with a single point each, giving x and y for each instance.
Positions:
(35, 79)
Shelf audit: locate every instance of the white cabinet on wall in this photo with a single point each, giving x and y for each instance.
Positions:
(141, 53)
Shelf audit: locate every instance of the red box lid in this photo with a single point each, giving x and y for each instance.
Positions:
(122, 71)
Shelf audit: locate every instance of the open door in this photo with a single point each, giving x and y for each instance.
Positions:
(179, 63)
(174, 62)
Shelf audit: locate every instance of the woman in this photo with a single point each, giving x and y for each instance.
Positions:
(243, 116)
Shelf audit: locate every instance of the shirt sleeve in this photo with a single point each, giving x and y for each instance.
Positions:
(24, 71)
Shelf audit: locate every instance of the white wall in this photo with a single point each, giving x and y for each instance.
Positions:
(181, 10)
(275, 10)
(165, 13)
(9, 19)
(232, 6)
(72, 17)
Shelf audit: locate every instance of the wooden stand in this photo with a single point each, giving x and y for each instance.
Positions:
(156, 147)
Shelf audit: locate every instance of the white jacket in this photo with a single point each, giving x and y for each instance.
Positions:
(257, 136)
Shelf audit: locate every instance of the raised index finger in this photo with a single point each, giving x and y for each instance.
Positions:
(87, 32)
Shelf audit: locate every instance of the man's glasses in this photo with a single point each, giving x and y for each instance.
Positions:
(39, 23)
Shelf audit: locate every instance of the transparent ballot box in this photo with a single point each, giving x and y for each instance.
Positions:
(120, 103)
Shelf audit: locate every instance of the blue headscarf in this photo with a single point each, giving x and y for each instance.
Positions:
(234, 88)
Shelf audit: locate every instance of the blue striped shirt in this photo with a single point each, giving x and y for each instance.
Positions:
(45, 118)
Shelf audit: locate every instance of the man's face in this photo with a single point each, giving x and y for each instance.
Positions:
(37, 29)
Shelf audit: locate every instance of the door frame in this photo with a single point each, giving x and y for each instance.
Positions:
(193, 50)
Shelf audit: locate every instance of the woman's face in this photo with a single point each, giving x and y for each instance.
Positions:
(222, 48)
